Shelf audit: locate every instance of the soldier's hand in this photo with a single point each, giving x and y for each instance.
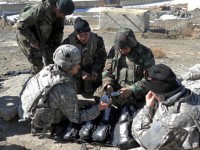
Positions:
(109, 89)
(86, 76)
(94, 75)
(103, 106)
(150, 97)
(125, 92)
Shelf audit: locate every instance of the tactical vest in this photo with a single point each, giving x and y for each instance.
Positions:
(36, 89)
(88, 51)
(128, 69)
(171, 116)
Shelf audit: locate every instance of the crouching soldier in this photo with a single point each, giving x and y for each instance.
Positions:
(93, 55)
(170, 118)
(123, 72)
(50, 96)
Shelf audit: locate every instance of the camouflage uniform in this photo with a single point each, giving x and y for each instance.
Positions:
(172, 124)
(50, 96)
(93, 55)
(56, 100)
(191, 79)
(50, 29)
(127, 71)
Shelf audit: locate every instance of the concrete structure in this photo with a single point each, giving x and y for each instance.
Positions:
(10, 98)
(11, 8)
(138, 2)
(136, 19)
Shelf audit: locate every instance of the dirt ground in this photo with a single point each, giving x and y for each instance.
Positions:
(177, 47)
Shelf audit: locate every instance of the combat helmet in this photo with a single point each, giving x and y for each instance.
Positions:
(66, 56)
(66, 6)
(125, 38)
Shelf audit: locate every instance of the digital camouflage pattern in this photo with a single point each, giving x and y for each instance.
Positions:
(191, 79)
(60, 101)
(50, 29)
(172, 124)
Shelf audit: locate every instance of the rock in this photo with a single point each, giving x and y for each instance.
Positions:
(10, 98)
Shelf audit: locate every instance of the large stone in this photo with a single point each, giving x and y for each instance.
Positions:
(136, 19)
(10, 98)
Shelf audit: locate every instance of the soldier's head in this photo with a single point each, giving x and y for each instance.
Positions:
(125, 40)
(62, 7)
(82, 30)
(67, 57)
(161, 80)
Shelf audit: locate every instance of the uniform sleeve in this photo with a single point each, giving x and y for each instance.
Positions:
(64, 98)
(141, 122)
(100, 56)
(148, 61)
(27, 19)
(108, 73)
(57, 34)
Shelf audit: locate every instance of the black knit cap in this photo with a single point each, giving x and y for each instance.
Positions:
(161, 79)
(81, 25)
(66, 6)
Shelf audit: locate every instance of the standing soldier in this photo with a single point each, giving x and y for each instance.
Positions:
(40, 30)
(93, 55)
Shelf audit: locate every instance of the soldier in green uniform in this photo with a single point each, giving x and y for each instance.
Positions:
(93, 55)
(40, 30)
(123, 71)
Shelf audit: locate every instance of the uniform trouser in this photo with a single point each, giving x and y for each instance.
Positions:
(33, 55)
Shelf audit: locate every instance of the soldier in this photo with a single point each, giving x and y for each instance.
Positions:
(123, 72)
(191, 79)
(93, 55)
(170, 118)
(40, 30)
(124, 68)
(50, 96)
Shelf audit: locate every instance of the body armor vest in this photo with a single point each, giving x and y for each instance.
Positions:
(36, 89)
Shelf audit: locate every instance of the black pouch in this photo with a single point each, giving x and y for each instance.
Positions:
(101, 133)
(123, 137)
(85, 132)
(122, 132)
(71, 132)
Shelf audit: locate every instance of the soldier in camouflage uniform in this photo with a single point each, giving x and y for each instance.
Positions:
(170, 119)
(40, 30)
(50, 96)
(124, 68)
(93, 55)
(191, 79)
